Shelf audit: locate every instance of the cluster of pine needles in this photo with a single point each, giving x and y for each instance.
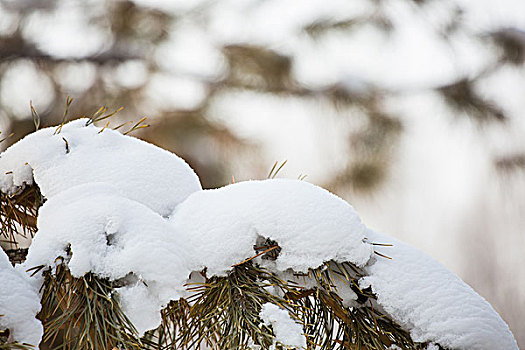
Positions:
(18, 213)
(221, 312)
(83, 313)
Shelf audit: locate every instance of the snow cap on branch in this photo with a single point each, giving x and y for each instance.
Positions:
(432, 302)
(80, 154)
(310, 225)
(114, 237)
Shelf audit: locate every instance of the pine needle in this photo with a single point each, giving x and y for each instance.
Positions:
(121, 125)
(69, 101)
(137, 126)
(99, 115)
(257, 255)
(5, 138)
(104, 128)
(18, 214)
(36, 117)
(273, 172)
(382, 255)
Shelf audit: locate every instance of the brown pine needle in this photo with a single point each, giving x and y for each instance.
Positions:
(8, 136)
(137, 126)
(69, 101)
(36, 117)
(121, 125)
(382, 244)
(274, 171)
(104, 128)
(382, 255)
(259, 254)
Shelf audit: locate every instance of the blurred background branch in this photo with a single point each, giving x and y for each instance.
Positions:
(412, 110)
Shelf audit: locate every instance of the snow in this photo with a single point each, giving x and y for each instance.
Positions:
(310, 224)
(432, 302)
(285, 329)
(140, 171)
(113, 237)
(128, 211)
(140, 306)
(19, 304)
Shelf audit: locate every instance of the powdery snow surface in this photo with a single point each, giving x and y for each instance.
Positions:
(285, 329)
(310, 224)
(19, 304)
(432, 302)
(143, 172)
(109, 198)
(114, 236)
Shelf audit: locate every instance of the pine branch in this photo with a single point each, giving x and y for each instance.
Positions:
(83, 313)
(225, 310)
(18, 214)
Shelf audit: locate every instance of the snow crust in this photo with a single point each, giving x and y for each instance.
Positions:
(139, 170)
(432, 302)
(310, 224)
(19, 304)
(285, 329)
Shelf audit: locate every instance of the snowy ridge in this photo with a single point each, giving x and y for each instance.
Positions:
(129, 211)
(432, 302)
(19, 304)
(310, 224)
(81, 154)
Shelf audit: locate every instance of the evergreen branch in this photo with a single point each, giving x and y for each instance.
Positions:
(332, 325)
(225, 310)
(18, 214)
(83, 313)
(174, 321)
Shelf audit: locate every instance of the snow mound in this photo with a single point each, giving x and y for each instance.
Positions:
(81, 154)
(310, 224)
(109, 197)
(286, 330)
(19, 304)
(113, 236)
(432, 302)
